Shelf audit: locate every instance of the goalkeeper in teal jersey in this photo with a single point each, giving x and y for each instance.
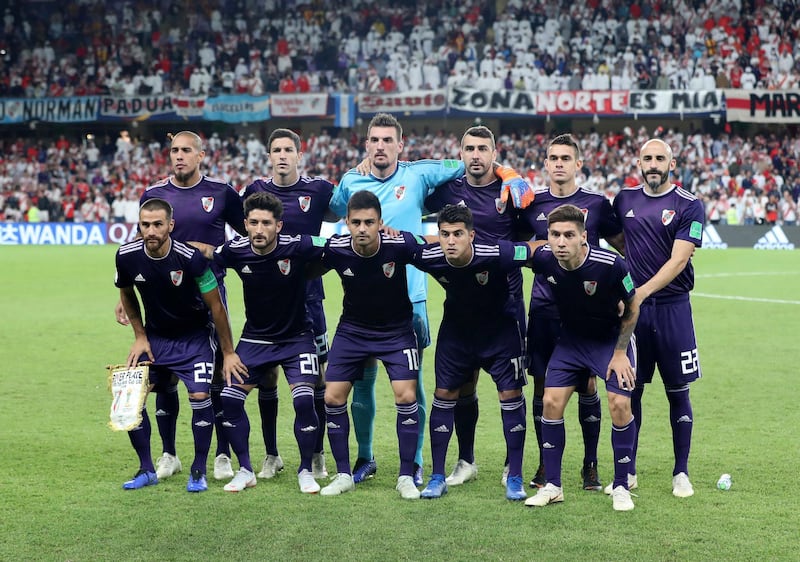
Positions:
(402, 187)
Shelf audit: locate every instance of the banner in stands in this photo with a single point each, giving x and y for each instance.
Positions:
(670, 102)
(237, 109)
(414, 102)
(763, 106)
(517, 102)
(51, 110)
(299, 105)
(138, 108)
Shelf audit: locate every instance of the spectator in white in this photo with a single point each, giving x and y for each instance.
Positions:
(241, 69)
(788, 209)
(588, 82)
(92, 155)
(709, 80)
(748, 79)
(696, 82)
(256, 85)
(128, 87)
(256, 152)
(205, 81)
(602, 79)
(415, 80)
(207, 55)
(285, 63)
(547, 83)
(431, 76)
(352, 45)
(156, 82)
(228, 79)
(124, 148)
(195, 82)
(487, 62)
(486, 82)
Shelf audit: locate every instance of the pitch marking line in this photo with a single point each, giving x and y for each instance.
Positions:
(749, 299)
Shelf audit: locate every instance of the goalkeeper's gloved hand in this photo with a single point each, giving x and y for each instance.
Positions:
(521, 193)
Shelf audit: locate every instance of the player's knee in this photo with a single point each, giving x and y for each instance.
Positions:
(591, 386)
(619, 407)
(198, 395)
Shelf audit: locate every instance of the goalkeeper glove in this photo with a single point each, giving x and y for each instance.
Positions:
(521, 193)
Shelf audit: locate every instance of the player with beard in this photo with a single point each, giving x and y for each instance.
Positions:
(180, 295)
(663, 225)
(202, 207)
(305, 206)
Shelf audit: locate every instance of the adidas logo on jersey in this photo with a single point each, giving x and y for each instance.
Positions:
(630, 215)
(443, 279)
(139, 278)
(541, 217)
(552, 280)
(246, 269)
(712, 240)
(348, 273)
(775, 239)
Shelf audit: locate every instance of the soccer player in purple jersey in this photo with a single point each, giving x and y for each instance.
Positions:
(480, 329)
(663, 225)
(277, 330)
(177, 289)
(202, 207)
(544, 326)
(376, 322)
(305, 206)
(588, 284)
(479, 189)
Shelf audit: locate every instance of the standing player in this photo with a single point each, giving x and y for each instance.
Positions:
(177, 290)
(663, 225)
(202, 206)
(479, 189)
(588, 284)
(277, 330)
(401, 187)
(376, 322)
(305, 205)
(480, 329)
(544, 326)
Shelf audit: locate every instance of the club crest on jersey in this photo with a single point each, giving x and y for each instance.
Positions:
(482, 277)
(590, 287)
(176, 277)
(285, 266)
(388, 269)
(585, 214)
(305, 203)
(667, 215)
(400, 192)
(208, 203)
(500, 205)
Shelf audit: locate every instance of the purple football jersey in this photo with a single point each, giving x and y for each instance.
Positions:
(652, 223)
(375, 288)
(588, 296)
(601, 222)
(202, 210)
(274, 287)
(168, 288)
(304, 206)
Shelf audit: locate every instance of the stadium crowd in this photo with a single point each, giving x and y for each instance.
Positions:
(741, 180)
(89, 47)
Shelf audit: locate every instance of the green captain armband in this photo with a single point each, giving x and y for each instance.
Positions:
(318, 241)
(206, 282)
(419, 239)
(627, 282)
(521, 253)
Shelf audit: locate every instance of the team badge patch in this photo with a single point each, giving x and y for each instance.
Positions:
(388, 269)
(400, 192)
(500, 206)
(482, 277)
(285, 266)
(585, 214)
(176, 277)
(590, 287)
(667, 215)
(305, 203)
(208, 204)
